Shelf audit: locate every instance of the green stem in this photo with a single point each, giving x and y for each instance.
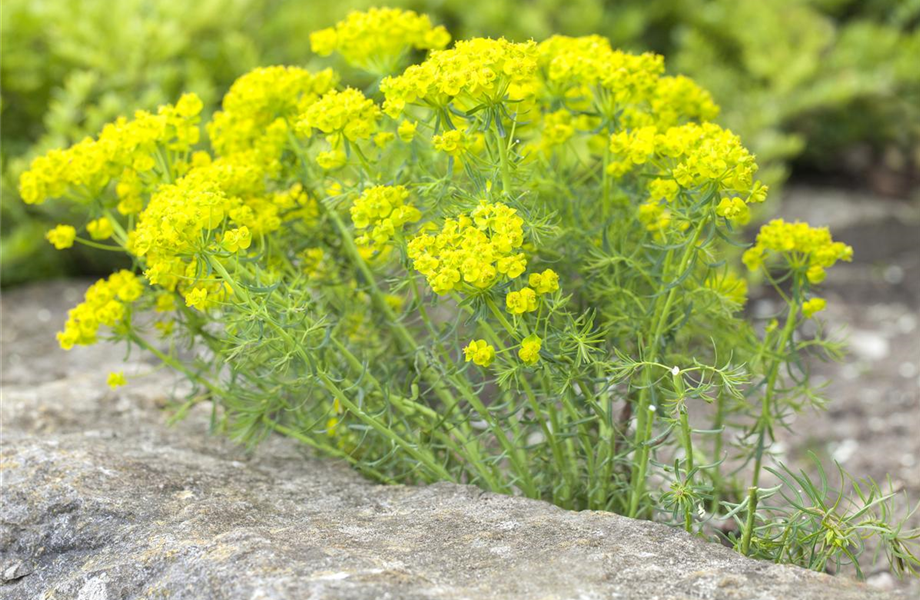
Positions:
(717, 425)
(684, 419)
(749, 522)
(504, 162)
(766, 403)
(643, 430)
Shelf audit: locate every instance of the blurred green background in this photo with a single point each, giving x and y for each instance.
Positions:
(817, 88)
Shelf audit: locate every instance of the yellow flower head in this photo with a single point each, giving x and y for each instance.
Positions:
(100, 229)
(406, 130)
(815, 305)
(122, 149)
(377, 40)
(663, 189)
(331, 160)
(735, 210)
(258, 103)
(383, 138)
(480, 352)
(116, 380)
(546, 282)
(236, 239)
(62, 236)
(104, 304)
(197, 297)
(520, 302)
(382, 211)
(572, 67)
(530, 349)
(472, 72)
(347, 113)
(476, 249)
(453, 142)
(802, 246)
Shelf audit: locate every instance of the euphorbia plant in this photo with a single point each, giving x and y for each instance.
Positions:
(507, 265)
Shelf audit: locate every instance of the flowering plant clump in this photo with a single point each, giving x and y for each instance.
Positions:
(508, 265)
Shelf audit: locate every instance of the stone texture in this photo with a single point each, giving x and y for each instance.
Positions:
(101, 500)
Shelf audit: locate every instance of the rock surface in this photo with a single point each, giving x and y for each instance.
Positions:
(101, 500)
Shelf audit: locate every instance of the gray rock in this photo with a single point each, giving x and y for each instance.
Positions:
(101, 501)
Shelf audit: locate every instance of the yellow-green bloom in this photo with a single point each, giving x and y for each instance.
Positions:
(116, 380)
(480, 352)
(382, 212)
(520, 302)
(406, 130)
(197, 298)
(338, 114)
(453, 142)
(530, 349)
(376, 40)
(331, 160)
(546, 282)
(815, 305)
(735, 210)
(100, 229)
(802, 245)
(816, 274)
(382, 138)
(103, 304)
(476, 249)
(237, 239)
(62, 236)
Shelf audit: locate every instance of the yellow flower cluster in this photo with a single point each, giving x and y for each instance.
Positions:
(62, 236)
(472, 72)
(804, 247)
(406, 130)
(453, 142)
(734, 209)
(220, 204)
(175, 226)
(558, 127)
(378, 39)
(530, 349)
(571, 67)
(83, 170)
(383, 210)
(812, 306)
(116, 380)
(525, 299)
(698, 154)
(546, 282)
(104, 304)
(100, 229)
(677, 99)
(259, 104)
(475, 249)
(347, 113)
(522, 301)
(295, 205)
(688, 157)
(479, 352)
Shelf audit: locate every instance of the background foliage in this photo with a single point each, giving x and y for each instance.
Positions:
(808, 83)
